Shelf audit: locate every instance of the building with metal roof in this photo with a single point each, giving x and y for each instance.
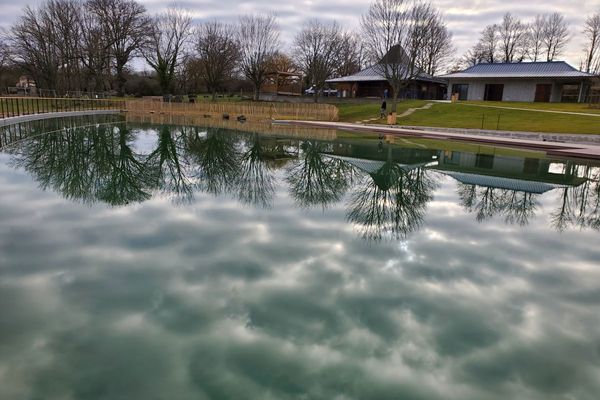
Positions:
(553, 81)
(370, 82)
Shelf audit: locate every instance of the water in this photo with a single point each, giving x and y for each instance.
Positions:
(166, 262)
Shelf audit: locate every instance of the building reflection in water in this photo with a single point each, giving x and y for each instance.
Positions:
(385, 188)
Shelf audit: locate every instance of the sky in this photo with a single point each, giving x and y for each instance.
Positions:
(465, 18)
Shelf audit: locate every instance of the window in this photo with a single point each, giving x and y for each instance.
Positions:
(462, 90)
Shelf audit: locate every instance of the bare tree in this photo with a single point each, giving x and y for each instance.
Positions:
(66, 15)
(537, 30)
(4, 50)
(351, 55)
(218, 53)
(591, 31)
(438, 47)
(126, 25)
(34, 40)
(513, 38)
(556, 36)
(316, 49)
(488, 44)
(258, 38)
(94, 52)
(170, 32)
(396, 33)
(472, 57)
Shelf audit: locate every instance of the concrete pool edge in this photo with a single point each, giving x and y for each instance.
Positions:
(580, 150)
(62, 114)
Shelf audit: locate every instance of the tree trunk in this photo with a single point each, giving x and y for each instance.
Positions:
(256, 93)
(395, 99)
(214, 95)
(120, 80)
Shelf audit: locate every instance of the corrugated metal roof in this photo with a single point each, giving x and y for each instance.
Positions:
(372, 166)
(519, 185)
(372, 74)
(551, 69)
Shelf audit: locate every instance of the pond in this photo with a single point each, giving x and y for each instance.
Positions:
(142, 261)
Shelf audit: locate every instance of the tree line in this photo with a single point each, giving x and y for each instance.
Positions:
(544, 38)
(73, 45)
(89, 45)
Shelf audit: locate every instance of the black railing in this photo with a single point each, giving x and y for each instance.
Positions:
(18, 106)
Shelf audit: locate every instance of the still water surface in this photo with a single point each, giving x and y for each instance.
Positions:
(169, 262)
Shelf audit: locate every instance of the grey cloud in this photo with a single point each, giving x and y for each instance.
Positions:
(466, 19)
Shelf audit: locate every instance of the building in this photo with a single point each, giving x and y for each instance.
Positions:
(554, 81)
(283, 83)
(371, 83)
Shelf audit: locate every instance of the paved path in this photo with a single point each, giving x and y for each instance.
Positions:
(531, 109)
(551, 148)
(61, 114)
(412, 110)
(404, 114)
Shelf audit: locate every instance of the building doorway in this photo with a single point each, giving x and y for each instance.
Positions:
(493, 92)
(543, 92)
(462, 90)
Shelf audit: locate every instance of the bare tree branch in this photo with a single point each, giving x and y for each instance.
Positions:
(166, 43)
(218, 54)
(126, 25)
(591, 31)
(258, 38)
(316, 49)
(556, 36)
(396, 33)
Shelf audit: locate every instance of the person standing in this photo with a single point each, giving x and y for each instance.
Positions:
(383, 113)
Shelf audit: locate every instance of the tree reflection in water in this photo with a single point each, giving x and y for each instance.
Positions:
(256, 182)
(167, 169)
(129, 180)
(579, 206)
(318, 180)
(390, 202)
(88, 164)
(517, 207)
(386, 199)
(215, 157)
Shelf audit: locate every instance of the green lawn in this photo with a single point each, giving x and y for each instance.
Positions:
(570, 107)
(353, 112)
(463, 116)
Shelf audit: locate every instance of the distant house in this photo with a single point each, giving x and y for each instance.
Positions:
(554, 81)
(371, 83)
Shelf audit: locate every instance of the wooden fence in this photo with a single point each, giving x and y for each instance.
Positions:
(253, 126)
(17, 106)
(252, 111)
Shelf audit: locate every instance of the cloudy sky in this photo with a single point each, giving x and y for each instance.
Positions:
(465, 18)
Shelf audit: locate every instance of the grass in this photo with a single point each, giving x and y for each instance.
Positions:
(353, 112)
(570, 107)
(461, 116)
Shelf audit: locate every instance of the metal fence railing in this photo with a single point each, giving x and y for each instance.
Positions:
(18, 106)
